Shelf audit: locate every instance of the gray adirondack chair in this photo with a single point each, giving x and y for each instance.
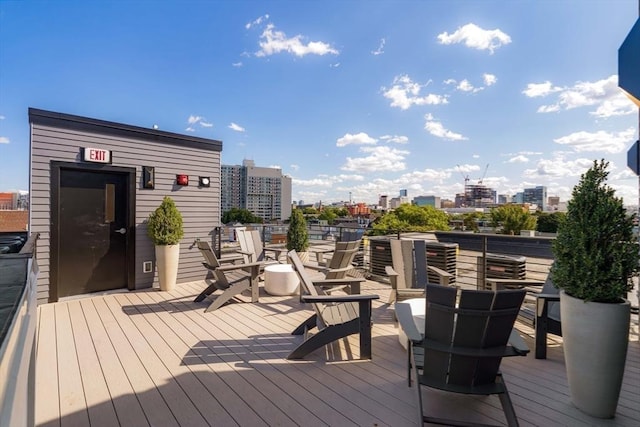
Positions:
(340, 262)
(231, 279)
(409, 274)
(460, 344)
(253, 249)
(335, 316)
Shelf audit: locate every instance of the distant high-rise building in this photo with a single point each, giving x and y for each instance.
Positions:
(427, 201)
(476, 196)
(403, 193)
(8, 201)
(553, 200)
(265, 192)
(536, 195)
(383, 201)
(503, 199)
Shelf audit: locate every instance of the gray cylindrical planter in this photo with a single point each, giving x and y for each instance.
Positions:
(167, 259)
(595, 338)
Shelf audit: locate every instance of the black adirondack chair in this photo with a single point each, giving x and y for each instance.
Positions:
(463, 339)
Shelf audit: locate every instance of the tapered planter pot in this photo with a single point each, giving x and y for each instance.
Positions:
(595, 338)
(167, 259)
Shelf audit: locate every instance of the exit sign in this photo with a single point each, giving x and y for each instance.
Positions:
(97, 155)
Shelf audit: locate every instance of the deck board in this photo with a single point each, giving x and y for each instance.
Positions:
(155, 358)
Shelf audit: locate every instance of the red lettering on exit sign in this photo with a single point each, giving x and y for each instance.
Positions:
(97, 155)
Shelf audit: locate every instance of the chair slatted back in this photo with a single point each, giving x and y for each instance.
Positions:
(258, 247)
(212, 263)
(402, 262)
(479, 320)
(554, 306)
(409, 260)
(327, 314)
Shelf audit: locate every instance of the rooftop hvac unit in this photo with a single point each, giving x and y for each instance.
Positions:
(502, 267)
(379, 255)
(443, 256)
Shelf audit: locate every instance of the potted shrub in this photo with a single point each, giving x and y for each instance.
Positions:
(297, 235)
(164, 227)
(596, 256)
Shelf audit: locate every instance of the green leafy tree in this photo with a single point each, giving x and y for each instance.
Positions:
(328, 214)
(512, 218)
(412, 218)
(342, 212)
(470, 221)
(297, 234)
(310, 211)
(164, 225)
(243, 216)
(596, 251)
(548, 222)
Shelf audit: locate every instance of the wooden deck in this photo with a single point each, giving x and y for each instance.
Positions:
(155, 358)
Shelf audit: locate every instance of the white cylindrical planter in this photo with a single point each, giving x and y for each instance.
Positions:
(595, 338)
(167, 259)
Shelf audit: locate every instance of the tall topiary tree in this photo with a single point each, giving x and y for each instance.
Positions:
(297, 234)
(164, 225)
(596, 252)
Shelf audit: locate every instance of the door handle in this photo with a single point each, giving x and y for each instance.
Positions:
(121, 231)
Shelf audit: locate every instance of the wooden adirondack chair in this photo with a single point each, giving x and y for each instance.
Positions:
(252, 248)
(459, 346)
(231, 279)
(340, 263)
(409, 273)
(335, 317)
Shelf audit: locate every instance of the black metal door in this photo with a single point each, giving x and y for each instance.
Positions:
(92, 231)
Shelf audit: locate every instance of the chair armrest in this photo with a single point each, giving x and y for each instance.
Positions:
(390, 271)
(444, 276)
(334, 282)
(231, 267)
(407, 322)
(497, 284)
(339, 298)
(517, 343)
(549, 297)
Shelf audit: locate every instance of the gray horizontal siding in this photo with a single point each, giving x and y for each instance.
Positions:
(200, 207)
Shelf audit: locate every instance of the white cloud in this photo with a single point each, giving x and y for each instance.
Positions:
(2, 117)
(398, 139)
(604, 94)
(558, 167)
(518, 159)
(4, 140)
(256, 21)
(236, 127)
(378, 159)
(475, 37)
(465, 86)
(405, 92)
(534, 90)
(489, 79)
(193, 119)
(273, 41)
(237, 64)
(466, 168)
(358, 139)
(598, 141)
(380, 49)
(436, 128)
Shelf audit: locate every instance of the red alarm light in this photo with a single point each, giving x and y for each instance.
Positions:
(182, 179)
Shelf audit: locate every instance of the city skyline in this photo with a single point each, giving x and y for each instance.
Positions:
(351, 99)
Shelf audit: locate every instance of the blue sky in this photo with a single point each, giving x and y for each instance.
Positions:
(359, 98)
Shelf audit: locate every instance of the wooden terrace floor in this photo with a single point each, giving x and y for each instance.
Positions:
(155, 358)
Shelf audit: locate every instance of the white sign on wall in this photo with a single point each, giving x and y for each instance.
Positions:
(97, 155)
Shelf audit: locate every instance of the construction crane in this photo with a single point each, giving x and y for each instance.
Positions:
(483, 175)
(466, 177)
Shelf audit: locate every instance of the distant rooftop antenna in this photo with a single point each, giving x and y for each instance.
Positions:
(155, 126)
